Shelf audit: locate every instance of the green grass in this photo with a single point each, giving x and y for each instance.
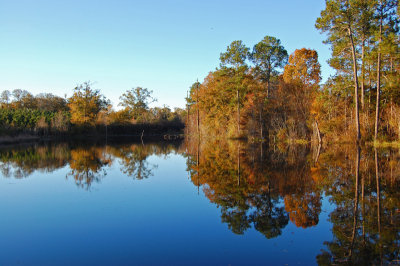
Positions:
(385, 144)
(301, 141)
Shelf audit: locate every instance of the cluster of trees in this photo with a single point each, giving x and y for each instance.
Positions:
(362, 98)
(264, 92)
(21, 111)
(263, 188)
(86, 109)
(272, 96)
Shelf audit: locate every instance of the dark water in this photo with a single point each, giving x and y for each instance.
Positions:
(222, 203)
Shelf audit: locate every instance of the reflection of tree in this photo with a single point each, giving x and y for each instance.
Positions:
(237, 219)
(134, 161)
(288, 183)
(87, 161)
(270, 217)
(87, 166)
(364, 190)
(134, 157)
(303, 209)
(22, 161)
(250, 186)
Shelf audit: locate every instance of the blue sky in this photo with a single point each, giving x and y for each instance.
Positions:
(51, 46)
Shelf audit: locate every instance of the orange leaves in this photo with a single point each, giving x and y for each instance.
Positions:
(85, 104)
(303, 68)
(303, 209)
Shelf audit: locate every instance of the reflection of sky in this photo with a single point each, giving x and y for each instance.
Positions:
(47, 219)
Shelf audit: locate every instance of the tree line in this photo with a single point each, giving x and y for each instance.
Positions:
(263, 92)
(87, 110)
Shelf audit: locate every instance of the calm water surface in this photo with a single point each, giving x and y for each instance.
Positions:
(221, 203)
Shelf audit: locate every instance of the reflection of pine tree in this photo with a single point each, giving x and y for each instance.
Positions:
(365, 222)
(236, 218)
(288, 183)
(269, 217)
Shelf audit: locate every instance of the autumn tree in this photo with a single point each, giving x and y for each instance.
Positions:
(23, 99)
(50, 102)
(291, 109)
(303, 69)
(136, 101)
(303, 73)
(219, 99)
(18, 94)
(60, 122)
(85, 104)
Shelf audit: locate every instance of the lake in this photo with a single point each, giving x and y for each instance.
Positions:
(192, 203)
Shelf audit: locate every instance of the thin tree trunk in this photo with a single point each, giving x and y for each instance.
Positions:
(362, 72)
(318, 132)
(238, 164)
(198, 111)
(187, 111)
(353, 51)
(378, 196)
(378, 82)
(198, 163)
(356, 198)
(318, 153)
(363, 208)
(391, 64)
(238, 112)
(391, 111)
(370, 87)
(261, 124)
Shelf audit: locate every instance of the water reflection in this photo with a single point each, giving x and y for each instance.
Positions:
(22, 161)
(265, 188)
(133, 157)
(255, 186)
(365, 190)
(88, 163)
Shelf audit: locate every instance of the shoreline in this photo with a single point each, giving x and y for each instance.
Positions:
(25, 138)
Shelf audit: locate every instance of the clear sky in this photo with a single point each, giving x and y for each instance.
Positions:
(51, 46)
